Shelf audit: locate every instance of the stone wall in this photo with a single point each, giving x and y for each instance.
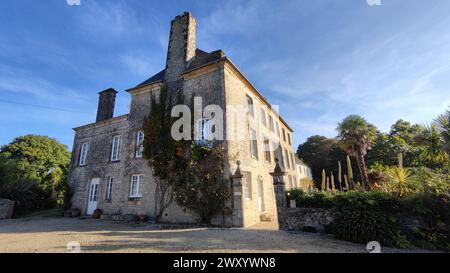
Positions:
(6, 208)
(310, 219)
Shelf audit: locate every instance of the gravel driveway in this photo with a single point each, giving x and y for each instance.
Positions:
(53, 234)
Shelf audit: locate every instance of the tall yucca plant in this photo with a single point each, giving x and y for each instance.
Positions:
(356, 136)
(323, 186)
(400, 181)
(349, 172)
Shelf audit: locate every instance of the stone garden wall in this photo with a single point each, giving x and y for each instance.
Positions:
(308, 219)
(6, 208)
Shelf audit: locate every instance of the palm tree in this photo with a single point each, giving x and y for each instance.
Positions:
(443, 125)
(356, 136)
(433, 144)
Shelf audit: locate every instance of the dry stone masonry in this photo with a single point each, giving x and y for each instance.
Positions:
(6, 209)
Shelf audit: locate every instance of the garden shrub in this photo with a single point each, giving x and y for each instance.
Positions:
(434, 212)
(368, 216)
(311, 199)
(362, 217)
(363, 226)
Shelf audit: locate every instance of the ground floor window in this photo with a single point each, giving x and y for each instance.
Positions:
(109, 188)
(136, 186)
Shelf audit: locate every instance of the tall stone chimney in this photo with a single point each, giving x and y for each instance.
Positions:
(181, 45)
(106, 103)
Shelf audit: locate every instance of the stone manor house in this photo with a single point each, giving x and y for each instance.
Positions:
(108, 170)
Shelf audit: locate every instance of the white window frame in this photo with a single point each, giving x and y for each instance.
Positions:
(248, 186)
(83, 154)
(286, 154)
(136, 186)
(115, 148)
(267, 151)
(250, 106)
(292, 161)
(253, 143)
(262, 113)
(139, 144)
(271, 123)
(109, 188)
(281, 155)
(205, 130)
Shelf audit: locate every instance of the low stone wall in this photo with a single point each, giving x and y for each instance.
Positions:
(308, 219)
(6, 208)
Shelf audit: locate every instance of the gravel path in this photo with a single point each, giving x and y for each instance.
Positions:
(53, 234)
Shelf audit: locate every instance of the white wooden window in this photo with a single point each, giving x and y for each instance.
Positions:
(277, 128)
(281, 156)
(267, 152)
(115, 150)
(292, 161)
(248, 185)
(136, 186)
(83, 154)
(263, 116)
(250, 105)
(271, 124)
(286, 159)
(253, 144)
(139, 144)
(205, 129)
(109, 188)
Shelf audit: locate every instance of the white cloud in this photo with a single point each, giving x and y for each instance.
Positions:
(137, 64)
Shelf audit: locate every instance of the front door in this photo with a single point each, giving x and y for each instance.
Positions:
(260, 195)
(93, 196)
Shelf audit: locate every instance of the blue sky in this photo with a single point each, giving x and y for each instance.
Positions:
(320, 60)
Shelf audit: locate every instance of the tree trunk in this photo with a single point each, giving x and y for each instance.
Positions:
(362, 170)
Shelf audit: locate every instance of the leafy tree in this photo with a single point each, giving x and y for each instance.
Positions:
(321, 153)
(356, 136)
(385, 149)
(315, 152)
(405, 131)
(33, 171)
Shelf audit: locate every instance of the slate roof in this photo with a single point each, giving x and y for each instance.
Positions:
(201, 58)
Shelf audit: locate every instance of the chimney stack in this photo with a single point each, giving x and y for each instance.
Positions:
(181, 48)
(106, 103)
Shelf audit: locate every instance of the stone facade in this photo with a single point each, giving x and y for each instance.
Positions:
(6, 209)
(214, 78)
